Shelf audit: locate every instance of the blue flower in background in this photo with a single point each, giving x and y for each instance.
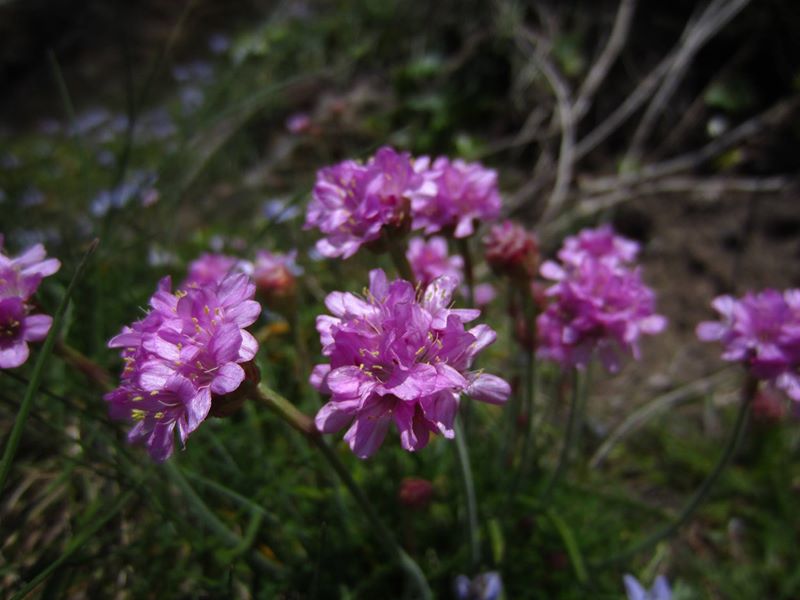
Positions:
(486, 586)
(636, 591)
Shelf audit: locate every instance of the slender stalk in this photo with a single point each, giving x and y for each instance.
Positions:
(573, 427)
(38, 370)
(398, 254)
(469, 273)
(748, 393)
(469, 495)
(303, 423)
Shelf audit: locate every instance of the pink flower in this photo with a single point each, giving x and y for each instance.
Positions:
(17, 328)
(187, 350)
(429, 260)
(19, 279)
(598, 244)
(396, 358)
(597, 306)
(211, 268)
(353, 204)
(464, 192)
(761, 331)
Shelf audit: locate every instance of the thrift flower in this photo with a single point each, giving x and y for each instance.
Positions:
(17, 328)
(511, 250)
(599, 244)
(19, 279)
(211, 268)
(429, 260)
(463, 192)
(186, 351)
(636, 591)
(353, 203)
(761, 331)
(399, 358)
(597, 305)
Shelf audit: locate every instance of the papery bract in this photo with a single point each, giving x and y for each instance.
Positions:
(511, 250)
(402, 359)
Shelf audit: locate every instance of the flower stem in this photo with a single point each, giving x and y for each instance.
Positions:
(469, 273)
(303, 423)
(469, 494)
(15, 436)
(398, 254)
(748, 393)
(573, 429)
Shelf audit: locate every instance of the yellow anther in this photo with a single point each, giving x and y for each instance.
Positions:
(159, 415)
(154, 393)
(137, 414)
(137, 398)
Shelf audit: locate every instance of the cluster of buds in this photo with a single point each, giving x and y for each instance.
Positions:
(19, 279)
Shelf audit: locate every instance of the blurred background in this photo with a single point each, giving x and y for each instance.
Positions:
(168, 129)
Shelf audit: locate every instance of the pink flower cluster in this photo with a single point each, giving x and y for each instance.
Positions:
(353, 204)
(598, 303)
(19, 279)
(396, 357)
(429, 259)
(512, 250)
(188, 348)
(761, 331)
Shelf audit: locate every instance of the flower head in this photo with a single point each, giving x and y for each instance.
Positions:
(20, 276)
(211, 268)
(352, 203)
(464, 192)
(600, 244)
(512, 250)
(636, 590)
(761, 331)
(597, 305)
(429, 260)
(188, 349)
(396, 357)
(19, 279)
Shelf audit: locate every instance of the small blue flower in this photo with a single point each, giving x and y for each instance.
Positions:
(486, 586)
(636, 591)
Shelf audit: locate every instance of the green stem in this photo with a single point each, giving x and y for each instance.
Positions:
(303, 423)
(38, 370)
(469, 272)
(398, 254)
(573, 428)
(469, 494)
(748, 393)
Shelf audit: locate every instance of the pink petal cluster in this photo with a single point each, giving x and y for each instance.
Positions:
(464, 192)
(512, 250)
(399, 358)
(598, 303)
(429, 260)
(19, 279)
(211, 268)
(352, 203)
(761, 331)
(188, 348)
